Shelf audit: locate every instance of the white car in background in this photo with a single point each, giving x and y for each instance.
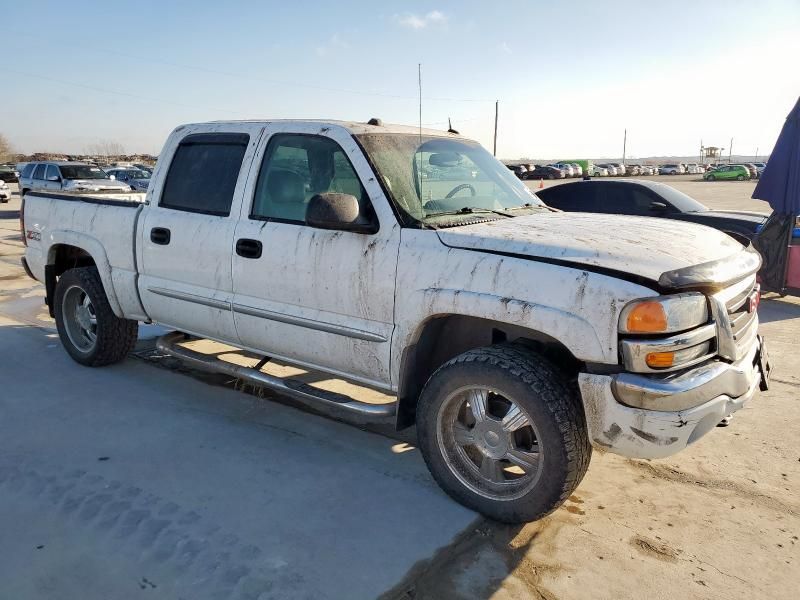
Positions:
(598, 171)
(693, 169)
(569, 171)
(760, 166)
(577, 168)
(5, 192)
(612, 170)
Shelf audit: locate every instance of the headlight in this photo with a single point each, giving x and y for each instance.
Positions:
(664, 314)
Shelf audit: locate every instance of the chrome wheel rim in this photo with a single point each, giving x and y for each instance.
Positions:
(489, 443)
(80, 319)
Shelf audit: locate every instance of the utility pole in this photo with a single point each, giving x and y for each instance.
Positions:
(730, 151)
(419, 80)
(624, 146)
(756, 158)
(702, 158)
(496, 111)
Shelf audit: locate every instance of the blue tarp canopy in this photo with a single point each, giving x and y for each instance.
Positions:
(779, 184)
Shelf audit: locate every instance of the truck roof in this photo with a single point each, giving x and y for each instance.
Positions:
(354, 127)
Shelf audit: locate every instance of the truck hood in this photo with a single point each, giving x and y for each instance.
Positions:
(639, 246)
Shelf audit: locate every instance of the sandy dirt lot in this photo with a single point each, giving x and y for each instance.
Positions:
(720, 520)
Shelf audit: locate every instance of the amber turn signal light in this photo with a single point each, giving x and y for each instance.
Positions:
(647, 317)
(660, 360)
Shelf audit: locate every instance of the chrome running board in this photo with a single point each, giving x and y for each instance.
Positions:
(168, 344)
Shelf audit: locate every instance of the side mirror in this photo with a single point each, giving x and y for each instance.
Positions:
(54, 178)
(658, 206)
(339, 212)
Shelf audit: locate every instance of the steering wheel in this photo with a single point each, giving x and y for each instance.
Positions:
(458, 188)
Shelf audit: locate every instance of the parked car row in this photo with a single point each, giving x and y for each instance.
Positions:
(84, 177)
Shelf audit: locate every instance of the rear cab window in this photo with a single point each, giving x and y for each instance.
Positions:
(39, 172)
(203, 173)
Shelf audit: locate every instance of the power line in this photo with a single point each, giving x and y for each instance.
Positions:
(119, 93)
(247, 76)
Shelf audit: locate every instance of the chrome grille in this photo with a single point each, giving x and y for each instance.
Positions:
(737, 326)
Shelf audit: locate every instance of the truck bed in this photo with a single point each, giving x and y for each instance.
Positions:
(102, 224)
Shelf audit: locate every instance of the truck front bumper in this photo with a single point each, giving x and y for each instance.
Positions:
(644, 416)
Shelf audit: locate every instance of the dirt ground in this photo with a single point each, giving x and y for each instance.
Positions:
(720, 520)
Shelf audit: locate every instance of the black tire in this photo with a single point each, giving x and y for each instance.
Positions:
(114, 337)
(552, 404)
(710, 178)
(740, 178)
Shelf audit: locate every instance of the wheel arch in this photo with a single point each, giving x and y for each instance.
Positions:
(445, 336)
(68, 250)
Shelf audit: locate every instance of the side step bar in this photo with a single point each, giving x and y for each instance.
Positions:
(168, 344)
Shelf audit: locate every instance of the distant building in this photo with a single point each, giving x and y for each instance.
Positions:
(712, 152)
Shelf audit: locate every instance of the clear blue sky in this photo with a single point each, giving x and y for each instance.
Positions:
(569, 76)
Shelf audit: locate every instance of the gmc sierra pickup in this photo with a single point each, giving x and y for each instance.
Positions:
(514, 336)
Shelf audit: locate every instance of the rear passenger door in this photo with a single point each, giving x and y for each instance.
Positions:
(320, 298)
(186, 233)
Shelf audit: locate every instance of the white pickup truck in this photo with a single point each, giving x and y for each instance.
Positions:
(514, 336)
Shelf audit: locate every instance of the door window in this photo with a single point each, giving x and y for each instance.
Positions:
(572, 197)
(52, 171)
(297, 167)
(203, 173)
(39, 172)
(628, 200)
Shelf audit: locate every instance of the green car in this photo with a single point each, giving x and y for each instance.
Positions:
(738, 172)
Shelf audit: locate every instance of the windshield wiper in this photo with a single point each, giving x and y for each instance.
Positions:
(468, 210)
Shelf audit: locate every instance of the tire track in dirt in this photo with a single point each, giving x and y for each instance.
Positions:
(667, 473)
(192, 554)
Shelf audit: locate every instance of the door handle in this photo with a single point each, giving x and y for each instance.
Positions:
(160, 236)
(247, 248)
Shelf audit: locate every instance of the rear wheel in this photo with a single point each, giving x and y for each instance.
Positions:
(89, 330)
(503, 433)
(740, 178)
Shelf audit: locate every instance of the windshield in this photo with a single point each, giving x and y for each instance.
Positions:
(82, 172)
(679, 200)
(429, 176)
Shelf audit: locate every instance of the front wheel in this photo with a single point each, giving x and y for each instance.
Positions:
(89, 330)
(710, 178)
(504, 433)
